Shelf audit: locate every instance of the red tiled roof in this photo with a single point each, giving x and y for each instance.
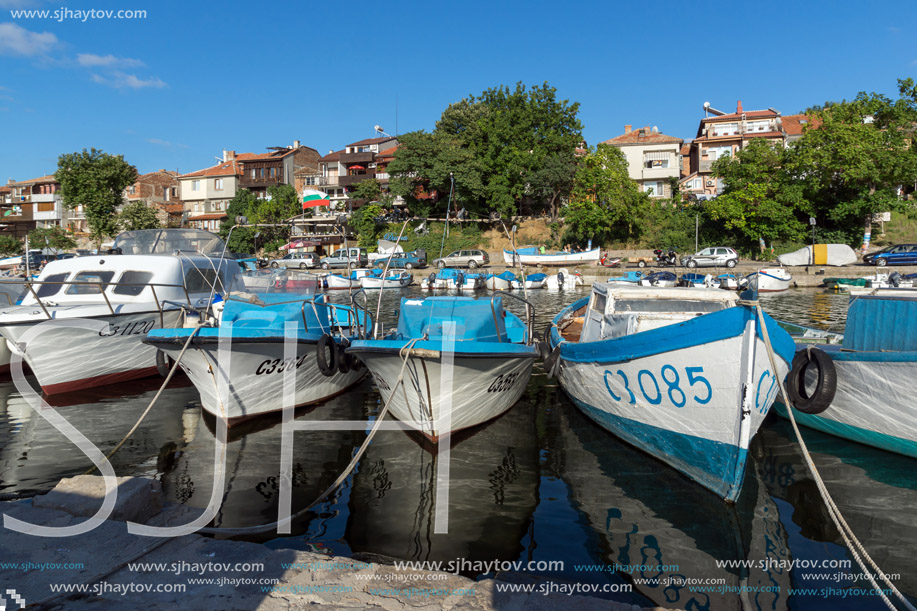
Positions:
(371, 141)
(209, 217)
(686, 149)
(335, 156)
(227, 168)
(40, 179)
(171, 208)
(773, 134)
(794, 125)
(735, 116)
(648, 137)
(390, 152)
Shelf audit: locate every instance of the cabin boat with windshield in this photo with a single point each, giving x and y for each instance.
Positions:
(81, 322)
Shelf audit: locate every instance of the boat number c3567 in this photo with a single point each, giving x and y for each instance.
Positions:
(649, 387)
(140, 327)
(279, 365)
(503, 382)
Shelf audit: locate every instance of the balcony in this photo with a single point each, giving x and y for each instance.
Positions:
(657, 173)
(348, 158)
(347, 181)
(321, 181)
(44, 197)
(247, 182)
(705, 166)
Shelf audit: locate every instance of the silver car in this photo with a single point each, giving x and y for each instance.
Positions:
(463, 258)
(715, 256)
(302, 260)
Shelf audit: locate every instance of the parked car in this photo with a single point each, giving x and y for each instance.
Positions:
(899, 254)
(406, 260)
(715, 256)
(355, 257)
(36, 259)
(302, 260)
(463, 258)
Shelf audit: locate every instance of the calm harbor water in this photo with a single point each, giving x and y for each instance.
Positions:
(541, 482)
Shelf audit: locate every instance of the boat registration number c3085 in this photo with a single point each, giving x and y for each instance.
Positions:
(279, 365)
(140, 327)
(503, 382)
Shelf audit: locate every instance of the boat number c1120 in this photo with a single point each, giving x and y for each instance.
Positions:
(140, 327)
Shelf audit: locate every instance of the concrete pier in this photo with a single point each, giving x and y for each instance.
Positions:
(108, 568)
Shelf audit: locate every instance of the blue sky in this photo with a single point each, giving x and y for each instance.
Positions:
(175, 88)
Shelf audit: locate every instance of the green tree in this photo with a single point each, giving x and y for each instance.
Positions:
(242, 238)
(852, 165)
(760, 200)
(10, 245)
(138, 215)
(363, 222)
(95, 180)
(369, 190)
(278, 209)
(553, 180)
(54, 237)
(605, 203)
(496, 146)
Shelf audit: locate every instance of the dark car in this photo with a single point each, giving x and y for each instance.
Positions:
(899, 254)
(405, 260)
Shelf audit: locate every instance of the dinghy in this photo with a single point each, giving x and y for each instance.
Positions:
(861, 389)
(772, 280)
(535, 281)
(681, 373)
(468, 361)
(532, 255)
(394, 279)
(563, 281)
(253, 329)
(500, 282)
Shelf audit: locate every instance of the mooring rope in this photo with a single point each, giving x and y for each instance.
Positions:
(404, 353)
(850, 539)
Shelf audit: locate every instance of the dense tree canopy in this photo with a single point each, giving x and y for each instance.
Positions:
(138, 215)
(95, 180)
(496, 146)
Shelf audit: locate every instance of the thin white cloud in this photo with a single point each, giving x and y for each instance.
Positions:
(120, 80)
(16, 40)
(8, 98)
(88, 60)
(159, 142)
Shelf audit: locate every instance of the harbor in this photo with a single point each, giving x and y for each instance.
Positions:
(540, 496)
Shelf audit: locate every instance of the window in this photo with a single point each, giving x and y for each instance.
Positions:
(199, 281)
(195, 185)
(272, 172)
(756, 126)
(46, 290)
(725, 129)
(253, 173)
(718, 152)
(97, 278)
(656, 159)
(218, 184)
(654, 189)
(132, 283)
(132, 189)
(218, 205)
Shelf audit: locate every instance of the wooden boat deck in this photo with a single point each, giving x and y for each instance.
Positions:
(571, 328)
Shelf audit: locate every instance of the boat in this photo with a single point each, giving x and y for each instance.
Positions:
(865, 383)
(820, 254)
(501, 282)
(844, 284)
(333, 282)
(681, 373)
(81, 324)
(692, 279)
(893, 280)
(771, 280)
(563, 280)
(532, 255)
(394, 279)
(252, 359)
(490, 361)
(660, 279)
(454, 279)
(535, 281)
(627, 278)
(727, 281)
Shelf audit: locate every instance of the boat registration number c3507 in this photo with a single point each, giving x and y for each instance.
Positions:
(503, 382)
(279, 365)
(140, 327)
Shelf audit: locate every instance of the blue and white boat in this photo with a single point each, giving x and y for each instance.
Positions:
(681, 373)
(532, 255)
(563, 280)
(333, 282)
(659, 279)
(454, 384)
(253, 330)
(874, 366)
(627, 278)
(503, 281)
(454, 279)
(535, 281)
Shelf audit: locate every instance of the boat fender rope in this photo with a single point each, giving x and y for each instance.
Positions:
(342, 357)
(853, 544)
(825, 389)
(552, 363)
(326, 354)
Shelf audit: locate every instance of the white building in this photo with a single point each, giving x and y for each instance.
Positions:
(652, 158)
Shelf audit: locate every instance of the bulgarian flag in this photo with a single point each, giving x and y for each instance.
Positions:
(312, 198)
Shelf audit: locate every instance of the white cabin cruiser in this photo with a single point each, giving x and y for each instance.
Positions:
(80, 324)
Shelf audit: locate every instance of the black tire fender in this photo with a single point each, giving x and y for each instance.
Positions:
(343, 362)
(826, 388)
(163, 363)
(544, 350)
(552, 362)
(560, 279)
(326, 355)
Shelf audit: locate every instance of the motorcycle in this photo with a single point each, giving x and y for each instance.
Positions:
(664, 259)
(607, 261)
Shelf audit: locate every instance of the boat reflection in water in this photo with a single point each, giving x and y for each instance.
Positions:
(493, 480)
(666, 531)
(876, 492)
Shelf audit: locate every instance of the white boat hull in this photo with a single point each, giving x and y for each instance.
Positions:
(770, 280)
(371, 282)
(255, 377)
(66, 358)
(482, 388)
(557, 259)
